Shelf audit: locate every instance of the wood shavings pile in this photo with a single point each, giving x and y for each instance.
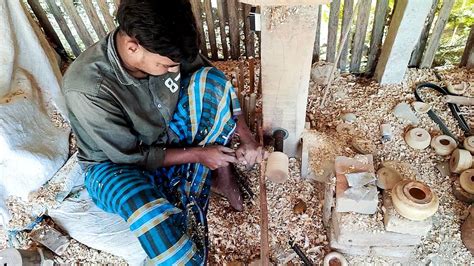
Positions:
(235, 236)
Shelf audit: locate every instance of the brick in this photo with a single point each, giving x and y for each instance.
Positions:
(367, 230)
(394, 222)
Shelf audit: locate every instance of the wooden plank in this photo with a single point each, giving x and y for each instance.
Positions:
(417, 54)
(109, 20)
(58, 16)
(332, 31)
(347, 14)
(359, 35)
(377, 34)
(467, 59)
(47, 27)
(197, 11)
(317, 38)
(222, 14)
(438, 29)
(76, 20)
(234, 28)
(211, 31)
(248, 34)
(94, 18)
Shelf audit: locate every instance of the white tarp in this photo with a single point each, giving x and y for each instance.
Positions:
(32, 148)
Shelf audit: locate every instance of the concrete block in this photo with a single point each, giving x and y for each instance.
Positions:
(367, 230)
(403, 34)
(344, 201)
(347, 249)
(394, 252)
(394, 222)
(399, 252)
(366, 205)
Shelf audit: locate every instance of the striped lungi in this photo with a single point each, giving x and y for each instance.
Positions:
(166, 209)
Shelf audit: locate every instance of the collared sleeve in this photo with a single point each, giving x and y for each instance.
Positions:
(103, 121)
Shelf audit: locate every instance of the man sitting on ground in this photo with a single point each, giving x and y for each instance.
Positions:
(153, 125)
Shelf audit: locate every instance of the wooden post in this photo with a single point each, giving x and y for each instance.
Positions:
(222, 13)
(348, 7)
(363, 15)
(248, 34)
(47, 27)
(252, 74)
(377, 34)
(317, 38)
(467, 59)
(234, 29)
(421, 45)
(210, 29)
(77, 22)
(252, 107)
(284, 88)
(76, 50)
(109, 20)
(438, 29)
(94, 18)
(405, 29)
(332, 31)
(197, 12)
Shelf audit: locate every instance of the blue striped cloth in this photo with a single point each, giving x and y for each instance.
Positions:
(167, 209)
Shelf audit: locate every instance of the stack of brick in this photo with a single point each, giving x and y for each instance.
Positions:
(382, 233)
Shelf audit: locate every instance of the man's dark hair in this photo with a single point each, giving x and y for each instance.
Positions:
(165, 27)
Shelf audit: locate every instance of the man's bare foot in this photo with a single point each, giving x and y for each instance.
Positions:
(224, 183)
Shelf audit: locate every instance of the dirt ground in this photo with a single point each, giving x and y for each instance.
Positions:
(235, 236)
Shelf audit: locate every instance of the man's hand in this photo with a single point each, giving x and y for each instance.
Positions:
(250, 152)
(216, 156)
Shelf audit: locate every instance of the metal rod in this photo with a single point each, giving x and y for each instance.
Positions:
(300, 253)
(279, 136)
